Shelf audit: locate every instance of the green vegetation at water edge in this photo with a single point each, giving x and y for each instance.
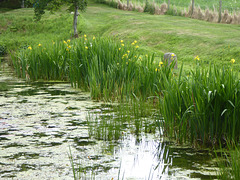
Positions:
(187, 38)
(203, 106)
(229, 163)
(108, 69)
(112, 71)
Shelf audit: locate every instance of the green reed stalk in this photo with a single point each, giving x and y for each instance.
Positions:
(203, 107)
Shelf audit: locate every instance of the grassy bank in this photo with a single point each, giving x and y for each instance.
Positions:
(187, 38)
(126, 64)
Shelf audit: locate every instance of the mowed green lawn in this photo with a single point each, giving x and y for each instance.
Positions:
(185, 37)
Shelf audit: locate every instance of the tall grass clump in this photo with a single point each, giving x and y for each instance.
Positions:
(229, 164)
(203, 107)
(109, 69)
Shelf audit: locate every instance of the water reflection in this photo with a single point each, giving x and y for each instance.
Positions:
(40, 121)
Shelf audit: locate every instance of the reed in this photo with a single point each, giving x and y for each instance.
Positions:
(110, 69)
(229, 164)
(203, 107)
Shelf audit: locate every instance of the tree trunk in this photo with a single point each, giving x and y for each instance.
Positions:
(75, 21)
(22, 4)
(220, 11)
(192, 7)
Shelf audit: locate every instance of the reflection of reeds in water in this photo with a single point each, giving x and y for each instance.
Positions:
(112, 124)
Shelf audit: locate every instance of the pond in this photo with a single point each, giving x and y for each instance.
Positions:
(43, 123)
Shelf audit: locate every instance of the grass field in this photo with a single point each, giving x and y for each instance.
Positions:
(187, 38)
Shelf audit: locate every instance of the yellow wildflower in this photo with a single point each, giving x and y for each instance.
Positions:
(197, 58)
(126, 63)
(121, 41)
(135, 41)
(85, 39)
(85, 35)
(156, 69)
(53, 42)
(128, 51)
(86, 47)
(68, 40)
(119, 49)
(137, 46)
(232, 61)
(118, 64)
(39, 45)
(160, 64)
(64, 42)
(172, 55)
(122, 44)
(93, 38)
(29, 47)
(67, 49)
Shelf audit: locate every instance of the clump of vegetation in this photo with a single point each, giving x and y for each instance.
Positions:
(229, 163)
(203, 107)
(109, 69)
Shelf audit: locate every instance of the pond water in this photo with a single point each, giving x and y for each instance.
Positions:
(41, 122)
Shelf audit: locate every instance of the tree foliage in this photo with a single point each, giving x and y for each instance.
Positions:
(52, 5)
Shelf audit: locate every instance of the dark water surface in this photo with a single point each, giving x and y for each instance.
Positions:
(40, 121)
